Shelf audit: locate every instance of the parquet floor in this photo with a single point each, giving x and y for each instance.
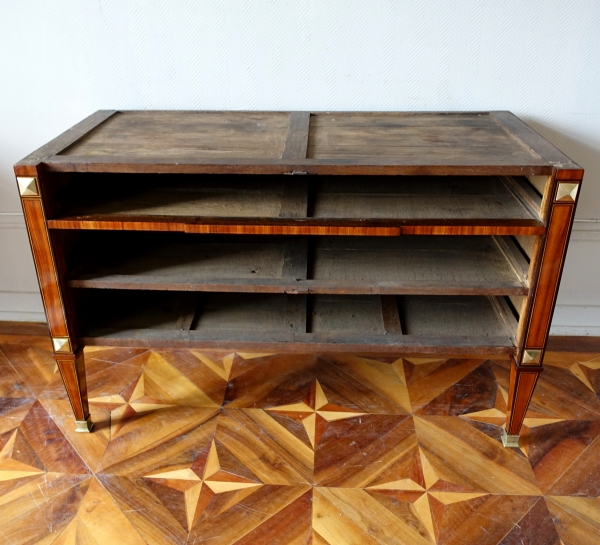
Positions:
(221, 448)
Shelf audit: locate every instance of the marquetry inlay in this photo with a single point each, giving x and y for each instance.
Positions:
(62, 345)
(28, 186)
(567, 192)
(531, 357)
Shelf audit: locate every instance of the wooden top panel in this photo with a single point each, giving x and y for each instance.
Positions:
(358, 143)
(465, 138)
(184, 134)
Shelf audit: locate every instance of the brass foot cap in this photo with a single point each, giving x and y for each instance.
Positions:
(510, 441)
(84, 426)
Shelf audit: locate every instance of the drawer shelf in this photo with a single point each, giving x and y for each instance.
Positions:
(453, 265)
(425, 324)
(298, 204)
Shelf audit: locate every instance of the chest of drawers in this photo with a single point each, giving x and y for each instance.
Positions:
(411, 233)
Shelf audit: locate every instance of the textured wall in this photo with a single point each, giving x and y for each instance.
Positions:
(61, 60)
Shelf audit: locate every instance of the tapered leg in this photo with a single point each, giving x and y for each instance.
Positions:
(72, 370)
(527, 365)
(523, 379)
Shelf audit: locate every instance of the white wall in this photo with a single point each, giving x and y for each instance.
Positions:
(60, 60)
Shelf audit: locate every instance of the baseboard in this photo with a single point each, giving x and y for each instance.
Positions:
(8, 327)
(560, 343)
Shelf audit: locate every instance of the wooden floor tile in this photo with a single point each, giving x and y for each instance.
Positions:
(245, 448)
(35, 368)
(577, 519)
(11, 385)
(463, 458)
(287, 380)
(561, 394)
(476, 392)
(428, 378)
(558, 453)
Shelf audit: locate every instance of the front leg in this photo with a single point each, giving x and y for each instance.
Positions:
(523, 379)
(72, 371)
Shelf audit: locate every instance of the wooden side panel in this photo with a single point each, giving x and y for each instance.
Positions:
(551, 267)
(45, 266)
(562, 213)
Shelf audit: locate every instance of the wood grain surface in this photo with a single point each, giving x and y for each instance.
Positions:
(353, 265)
(435, 143)
(251, 448)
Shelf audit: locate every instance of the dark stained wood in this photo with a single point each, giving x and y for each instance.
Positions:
(27, 166)
(294, 202)
(283, 200)
(522, 383)
(72, 370)
(449, 137)
(45, 267)
(295, 259)
(295, 314)
(190, 164)
(523, 133)
(304, 344)
(297, 137)
(176, 134)
(390, 315)
(269, 320)
(359, 265)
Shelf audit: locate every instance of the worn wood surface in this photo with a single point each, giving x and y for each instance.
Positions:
(158, 134)
(297, 137)
(434, 200)
(333, 322)
(450, 265)
(320, 143)
(492, 153)
(250, 448)
(28, 165)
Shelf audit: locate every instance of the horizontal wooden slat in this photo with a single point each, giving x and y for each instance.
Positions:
(452, 265)
(530, 227)
(442, 324)
(430, 165)
(307, 343)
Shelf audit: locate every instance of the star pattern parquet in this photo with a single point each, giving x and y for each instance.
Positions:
(194, 447)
